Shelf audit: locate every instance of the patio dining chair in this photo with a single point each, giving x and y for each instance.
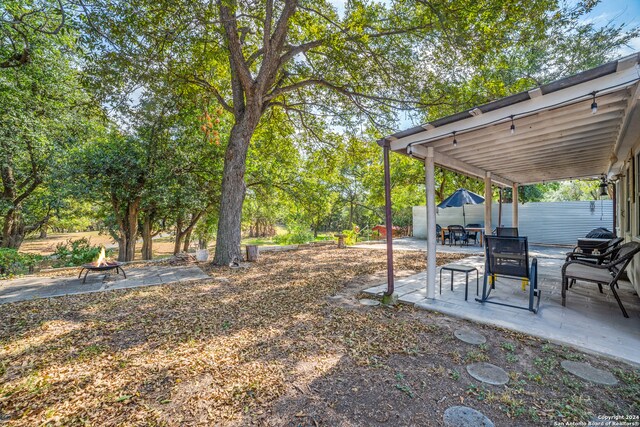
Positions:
(440, 235)
(508, 257)
(606, 274)
(507, 231)
(473, 235)
(457, 233)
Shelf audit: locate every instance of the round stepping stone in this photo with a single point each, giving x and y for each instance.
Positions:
(488, 373)
(369, 302)
(470, 336)
(589, 373)
(463, 416)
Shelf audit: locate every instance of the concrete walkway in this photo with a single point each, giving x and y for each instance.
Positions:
(591, 321)
(27, 288)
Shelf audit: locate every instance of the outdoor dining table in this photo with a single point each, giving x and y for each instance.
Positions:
(467, 229)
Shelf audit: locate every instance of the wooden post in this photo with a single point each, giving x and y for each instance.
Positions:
(429, 167)
(252, 253)
(487, 204)
(388, 295)
(514, 205)
(341, 244)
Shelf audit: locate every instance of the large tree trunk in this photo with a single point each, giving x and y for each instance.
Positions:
(178, 240)
(127, 228)
(187, 241)
(13, 231)
(147, 235)
(233, 190)
(185, 235)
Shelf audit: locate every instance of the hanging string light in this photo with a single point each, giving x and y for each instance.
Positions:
(455, 141)
(604, 185)
(513, 126)
(594, 104)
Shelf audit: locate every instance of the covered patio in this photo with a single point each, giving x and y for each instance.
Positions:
(583, 126)
(591, 322)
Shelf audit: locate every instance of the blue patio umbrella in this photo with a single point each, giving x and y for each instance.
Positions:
(462, 197)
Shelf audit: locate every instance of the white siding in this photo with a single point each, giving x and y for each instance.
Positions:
(552, 223)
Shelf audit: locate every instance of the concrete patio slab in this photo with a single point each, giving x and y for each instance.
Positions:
(591, 321)
(27, 288)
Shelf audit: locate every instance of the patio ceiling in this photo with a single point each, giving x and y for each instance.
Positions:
(556, 135)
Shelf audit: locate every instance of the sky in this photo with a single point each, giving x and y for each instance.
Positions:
(618, 11)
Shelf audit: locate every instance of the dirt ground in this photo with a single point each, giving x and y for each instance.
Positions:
(281, 343)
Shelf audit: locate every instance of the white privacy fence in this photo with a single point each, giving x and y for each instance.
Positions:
(541, 222)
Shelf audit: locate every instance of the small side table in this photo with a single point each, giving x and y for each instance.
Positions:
(466, 269)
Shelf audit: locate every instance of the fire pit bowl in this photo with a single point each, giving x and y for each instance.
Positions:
(104, 266)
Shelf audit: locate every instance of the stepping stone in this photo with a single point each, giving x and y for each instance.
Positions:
(488, 373)
(589, 373)
(470, 336)
(369, 302)
(463, 416)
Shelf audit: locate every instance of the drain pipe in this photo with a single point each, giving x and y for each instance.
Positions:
(615, 208)
(388, 295)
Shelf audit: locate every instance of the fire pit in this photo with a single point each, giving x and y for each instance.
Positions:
(101, 265)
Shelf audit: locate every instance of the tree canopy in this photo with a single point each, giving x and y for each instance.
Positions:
(230, 115)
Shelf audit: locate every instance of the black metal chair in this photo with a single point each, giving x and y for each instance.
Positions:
(473, 235)
(606, 274)
(507, 231)
(607, 252)
(509, 257)
(458, 234)
(440, 235)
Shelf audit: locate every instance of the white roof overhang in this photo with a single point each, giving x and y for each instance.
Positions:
(556, 135)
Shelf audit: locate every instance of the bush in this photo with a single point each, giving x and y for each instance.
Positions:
(296, 235)
(13, 262)
(77, 252)
(351, 235)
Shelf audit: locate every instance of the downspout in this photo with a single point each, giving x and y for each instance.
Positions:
(615, 213)
(500, 209)
(388, 295)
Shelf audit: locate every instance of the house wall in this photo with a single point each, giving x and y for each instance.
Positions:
(628, 209)
(550, 223)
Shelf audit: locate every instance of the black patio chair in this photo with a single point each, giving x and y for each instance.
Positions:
(606, 274)
(607, 252)
(458, 234)
(507, 231)
(473, 235)
(508, 257)
(439, 234)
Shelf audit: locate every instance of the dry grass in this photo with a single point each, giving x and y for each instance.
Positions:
(233, 350)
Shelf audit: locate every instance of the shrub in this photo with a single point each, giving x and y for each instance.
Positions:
(77, 252)
(297, 234)
(351, 235)
(13, 262)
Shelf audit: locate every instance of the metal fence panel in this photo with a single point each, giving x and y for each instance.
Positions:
(542, 222)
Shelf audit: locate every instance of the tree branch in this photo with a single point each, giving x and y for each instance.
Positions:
(238, 62)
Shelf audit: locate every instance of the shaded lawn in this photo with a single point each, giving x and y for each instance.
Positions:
(266, 346)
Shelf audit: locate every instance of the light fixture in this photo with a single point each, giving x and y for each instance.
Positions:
(513, 126)
(603, 186)
(455, 141)
(594, 104)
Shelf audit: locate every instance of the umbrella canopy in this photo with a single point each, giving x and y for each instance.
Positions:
(461, 197)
